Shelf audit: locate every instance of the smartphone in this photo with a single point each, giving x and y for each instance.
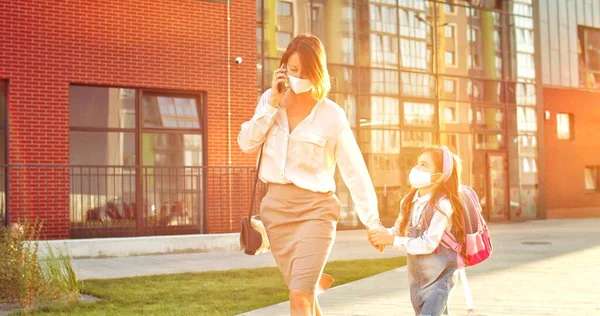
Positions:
(281, 86)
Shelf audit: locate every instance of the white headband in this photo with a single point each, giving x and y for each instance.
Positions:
(447, 163)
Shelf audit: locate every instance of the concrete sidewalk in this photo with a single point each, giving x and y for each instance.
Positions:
(547, 267)
(349, 245)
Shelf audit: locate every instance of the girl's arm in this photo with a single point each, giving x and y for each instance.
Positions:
(431, 238)
(395, 230)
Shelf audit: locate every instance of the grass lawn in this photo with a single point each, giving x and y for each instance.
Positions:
(207, 293)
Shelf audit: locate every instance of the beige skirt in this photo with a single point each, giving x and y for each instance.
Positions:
(301, 227)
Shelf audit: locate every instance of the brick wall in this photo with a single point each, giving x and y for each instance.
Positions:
(169, 44)
(566, 159)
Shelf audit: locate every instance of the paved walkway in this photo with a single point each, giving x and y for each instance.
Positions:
(349, 245)
(538, 268)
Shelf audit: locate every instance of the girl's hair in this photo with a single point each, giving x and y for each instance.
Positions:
(313, 62)
(449, 190)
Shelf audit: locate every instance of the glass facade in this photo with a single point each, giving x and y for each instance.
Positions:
(415, 73)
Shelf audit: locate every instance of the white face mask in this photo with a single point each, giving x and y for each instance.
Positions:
(299, 85)
(419, 179)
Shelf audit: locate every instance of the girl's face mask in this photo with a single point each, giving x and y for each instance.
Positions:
(420, 179)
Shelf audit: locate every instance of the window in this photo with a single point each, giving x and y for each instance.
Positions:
(474, 61)
(417, 84)
(283, 40)
(384, 50)
(589, 59)
(170, 112)
(450, 86)
(473, 90)
(418, 114)
(564, 125)
(284, 24)
(3, 132)
(383, 18)
(472, 12)
(414, 54)
(449, 9)
(449, 30)
(591, 178)
(416, 139)
(104, 133)
(284, 8)
(472, 34)
(526, 119)
(450, 59)
(450, 114)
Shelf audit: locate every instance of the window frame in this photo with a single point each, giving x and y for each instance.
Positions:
(596, 171)
(139, 130)
(571, 123)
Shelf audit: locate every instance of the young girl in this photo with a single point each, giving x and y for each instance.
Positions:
(432, 208)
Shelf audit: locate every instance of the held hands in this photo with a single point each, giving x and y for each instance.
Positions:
(376, 228)
(381, 238)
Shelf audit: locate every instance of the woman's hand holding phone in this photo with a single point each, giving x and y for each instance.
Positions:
(278, 86)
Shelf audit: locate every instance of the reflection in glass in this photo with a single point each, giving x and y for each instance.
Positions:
(526, 119)
(170, 112)
(172, 149)
(417, 139)
(102, 107)
(488, 118)
(419, 114)
(385, 111)
(489, 141)
(380, 141)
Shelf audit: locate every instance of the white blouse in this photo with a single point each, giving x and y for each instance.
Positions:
(431, 238)
(307, 157)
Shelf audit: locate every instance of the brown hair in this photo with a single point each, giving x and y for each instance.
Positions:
(449, 190)
(313, 62)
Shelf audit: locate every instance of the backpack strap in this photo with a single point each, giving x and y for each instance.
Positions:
(451, 242)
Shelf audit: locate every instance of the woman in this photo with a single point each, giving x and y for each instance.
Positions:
(304, 136)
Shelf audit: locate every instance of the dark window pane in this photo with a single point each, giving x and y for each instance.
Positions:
(172, 150)
(102, 148)
(2, 151)
(102, 107)
(170, 112)
(3, 91)
(490, 141)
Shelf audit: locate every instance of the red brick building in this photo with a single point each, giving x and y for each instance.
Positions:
(570, 72)
(60, 61)
(572, 159)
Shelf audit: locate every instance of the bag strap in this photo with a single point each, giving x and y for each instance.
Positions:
(256, 180)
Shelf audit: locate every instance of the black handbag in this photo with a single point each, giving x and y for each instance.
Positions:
(253, 235)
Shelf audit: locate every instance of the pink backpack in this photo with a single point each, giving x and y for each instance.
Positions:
(479, 242)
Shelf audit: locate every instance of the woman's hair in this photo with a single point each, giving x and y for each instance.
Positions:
(449, 190)
(313, 62)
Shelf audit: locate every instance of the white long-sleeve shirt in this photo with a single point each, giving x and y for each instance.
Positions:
(431, 238)
(307, 157)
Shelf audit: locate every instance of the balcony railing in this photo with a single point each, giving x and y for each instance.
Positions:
(111, 201)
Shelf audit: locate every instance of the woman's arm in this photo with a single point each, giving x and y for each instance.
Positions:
(356, 177)
(252, 134)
